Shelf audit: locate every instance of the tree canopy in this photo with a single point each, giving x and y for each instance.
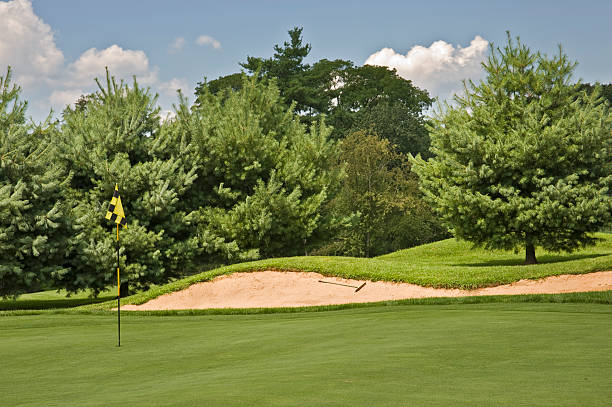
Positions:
(35, 217)
(348, 95)
(522, 160)
(263, 176)
(286, 66)
(114, 136)
(379, 204)
(605, 90)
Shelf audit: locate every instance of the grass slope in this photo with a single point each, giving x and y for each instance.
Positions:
(465, 355)
(446, 264)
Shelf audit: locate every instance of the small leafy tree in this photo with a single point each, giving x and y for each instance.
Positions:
(379, 201)
(522, 160)
(35, 222)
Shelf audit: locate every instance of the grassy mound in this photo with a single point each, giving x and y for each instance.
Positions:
(446, 264)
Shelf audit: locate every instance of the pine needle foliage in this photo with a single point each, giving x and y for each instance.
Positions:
(523, 159)
(35, 221)
(263, 176)
(111, 137)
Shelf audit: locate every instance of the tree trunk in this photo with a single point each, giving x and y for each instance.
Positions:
(530, 257)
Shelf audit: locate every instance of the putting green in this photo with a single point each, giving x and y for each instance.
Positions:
(459, 355)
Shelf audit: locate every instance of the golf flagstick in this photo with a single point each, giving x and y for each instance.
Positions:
(118, 294)
(115, 214)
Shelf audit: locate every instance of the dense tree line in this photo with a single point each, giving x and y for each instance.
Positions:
(265, 163)
(351, 98)
(289, 158)
(239, 175)
(35, 214)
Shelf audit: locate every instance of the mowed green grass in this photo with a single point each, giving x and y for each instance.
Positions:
(445, 264)
(52, 299)
(434, 355)
(537, 350)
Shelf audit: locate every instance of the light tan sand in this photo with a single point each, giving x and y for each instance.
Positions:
(289, 289)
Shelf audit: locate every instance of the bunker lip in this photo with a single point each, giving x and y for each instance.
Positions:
(272, 289)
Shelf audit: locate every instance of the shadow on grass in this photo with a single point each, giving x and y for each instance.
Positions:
(12, 305)
(543, 259)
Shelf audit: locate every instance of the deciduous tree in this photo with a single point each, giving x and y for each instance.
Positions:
(379, 200)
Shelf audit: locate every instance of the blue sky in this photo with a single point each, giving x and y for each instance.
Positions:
(57, 47)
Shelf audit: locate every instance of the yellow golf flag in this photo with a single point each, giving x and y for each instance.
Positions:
(115, 209)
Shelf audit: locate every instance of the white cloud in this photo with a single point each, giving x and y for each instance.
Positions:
(439, 68)
(65, 97)
(27, 44)
(177, 45)
(121, 64)
(208, 40)
(166, 115)
(170, 87)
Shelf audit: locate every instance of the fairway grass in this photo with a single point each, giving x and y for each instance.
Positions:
(522, 350)
(517, 354)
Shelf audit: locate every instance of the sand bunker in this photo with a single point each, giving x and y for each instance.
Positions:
(288, 289)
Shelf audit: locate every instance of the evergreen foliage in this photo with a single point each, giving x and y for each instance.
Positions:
(522, 160)
(287, 67)
(263, 176)
(113, 136)
(222, 84)
(35, 222)
(351, 97)
(605, 90)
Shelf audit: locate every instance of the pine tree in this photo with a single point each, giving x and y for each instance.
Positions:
(35, 223)
(523, 159)
(113, 136)
(287, 67)
(263, 177)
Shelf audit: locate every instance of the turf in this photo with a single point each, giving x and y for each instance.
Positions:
(446, 264)
(436, 355)
(52, 299)
(592, 297)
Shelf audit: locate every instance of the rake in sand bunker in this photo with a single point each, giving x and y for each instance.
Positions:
(346, 285)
